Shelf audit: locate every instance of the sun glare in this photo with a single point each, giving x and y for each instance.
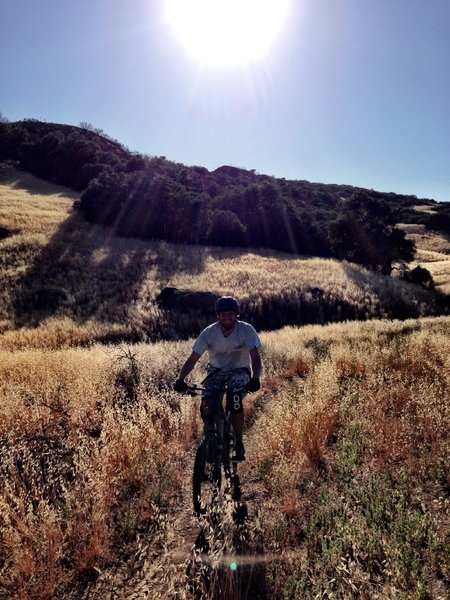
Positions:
(227, 32)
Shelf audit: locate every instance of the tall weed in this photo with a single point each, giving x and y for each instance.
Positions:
(368, 518)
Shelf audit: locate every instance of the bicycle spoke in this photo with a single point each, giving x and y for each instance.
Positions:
(207, 476)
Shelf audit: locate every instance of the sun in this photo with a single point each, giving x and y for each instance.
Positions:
(227, 32)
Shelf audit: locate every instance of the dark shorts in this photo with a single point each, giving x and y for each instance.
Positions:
(215, 383)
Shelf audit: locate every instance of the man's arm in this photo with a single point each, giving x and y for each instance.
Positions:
(253, 385)
(188, 365)
(256, 363)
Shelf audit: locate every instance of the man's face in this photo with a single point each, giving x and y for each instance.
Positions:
(227, 319)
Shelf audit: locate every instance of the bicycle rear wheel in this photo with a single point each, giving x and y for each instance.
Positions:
(207, 474)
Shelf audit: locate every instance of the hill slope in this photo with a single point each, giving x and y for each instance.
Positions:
(433, 253)
(345, 488)
(152, 197)
(61, 274)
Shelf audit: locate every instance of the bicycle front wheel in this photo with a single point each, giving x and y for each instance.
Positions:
(207, 474)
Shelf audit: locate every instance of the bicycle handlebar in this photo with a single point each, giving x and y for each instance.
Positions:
(194, 390)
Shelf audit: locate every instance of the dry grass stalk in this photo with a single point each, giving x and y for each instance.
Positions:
(66, 282)
(94, 445)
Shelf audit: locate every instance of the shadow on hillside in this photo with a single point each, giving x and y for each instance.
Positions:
(21, 180)
(174, 259)
(86, 272)
(395, 299)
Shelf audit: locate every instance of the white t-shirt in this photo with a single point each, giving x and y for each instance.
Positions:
(231, 352)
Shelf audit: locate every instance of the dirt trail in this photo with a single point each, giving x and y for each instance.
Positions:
(217, 556)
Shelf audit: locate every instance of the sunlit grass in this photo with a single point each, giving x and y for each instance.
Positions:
(60, 273)
(433, 253)
(348, 437)
(91, 450)
(353, 449)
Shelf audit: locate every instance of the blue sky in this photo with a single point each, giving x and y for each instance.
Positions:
(351, 91)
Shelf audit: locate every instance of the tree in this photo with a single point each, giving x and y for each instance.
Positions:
(225, 229)
(420, 276)
(365, 233)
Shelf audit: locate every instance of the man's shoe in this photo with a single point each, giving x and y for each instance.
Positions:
(239, 452)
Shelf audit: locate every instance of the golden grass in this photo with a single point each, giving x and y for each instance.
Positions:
(57, 333)
(95, 447)
(60, 274)
(88, 454)
(256, 277)
(94, 444)
(433, 253)
(33, 210)
(425, 208)
(382, 360)
(365, 419)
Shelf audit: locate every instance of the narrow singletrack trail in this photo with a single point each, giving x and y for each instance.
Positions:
(217, 556)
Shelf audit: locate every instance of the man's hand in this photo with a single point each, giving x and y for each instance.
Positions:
(180, 386)
(253, 385)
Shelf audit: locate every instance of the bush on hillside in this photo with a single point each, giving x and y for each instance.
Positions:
(152, 197)
(365, 233)
(420, 276)
(4, 233)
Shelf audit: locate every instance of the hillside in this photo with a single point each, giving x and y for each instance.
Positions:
(154, 198)
(65, 280)
(345, 487)
(433, 252)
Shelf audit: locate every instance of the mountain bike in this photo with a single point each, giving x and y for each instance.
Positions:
(214, 456)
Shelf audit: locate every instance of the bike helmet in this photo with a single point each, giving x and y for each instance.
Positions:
(227, 303)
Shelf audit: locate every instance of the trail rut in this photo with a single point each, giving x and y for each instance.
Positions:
(217, 556)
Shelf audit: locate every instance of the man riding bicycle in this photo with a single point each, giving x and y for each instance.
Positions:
(232, 345)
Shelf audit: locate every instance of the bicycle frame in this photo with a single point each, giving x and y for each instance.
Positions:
(214, 454)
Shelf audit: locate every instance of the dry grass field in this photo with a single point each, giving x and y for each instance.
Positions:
(433, 253)
(65, 282)
(346, 484)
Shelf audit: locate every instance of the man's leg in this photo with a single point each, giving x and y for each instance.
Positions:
(211, 399)
(238, 379)
(237, 422)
